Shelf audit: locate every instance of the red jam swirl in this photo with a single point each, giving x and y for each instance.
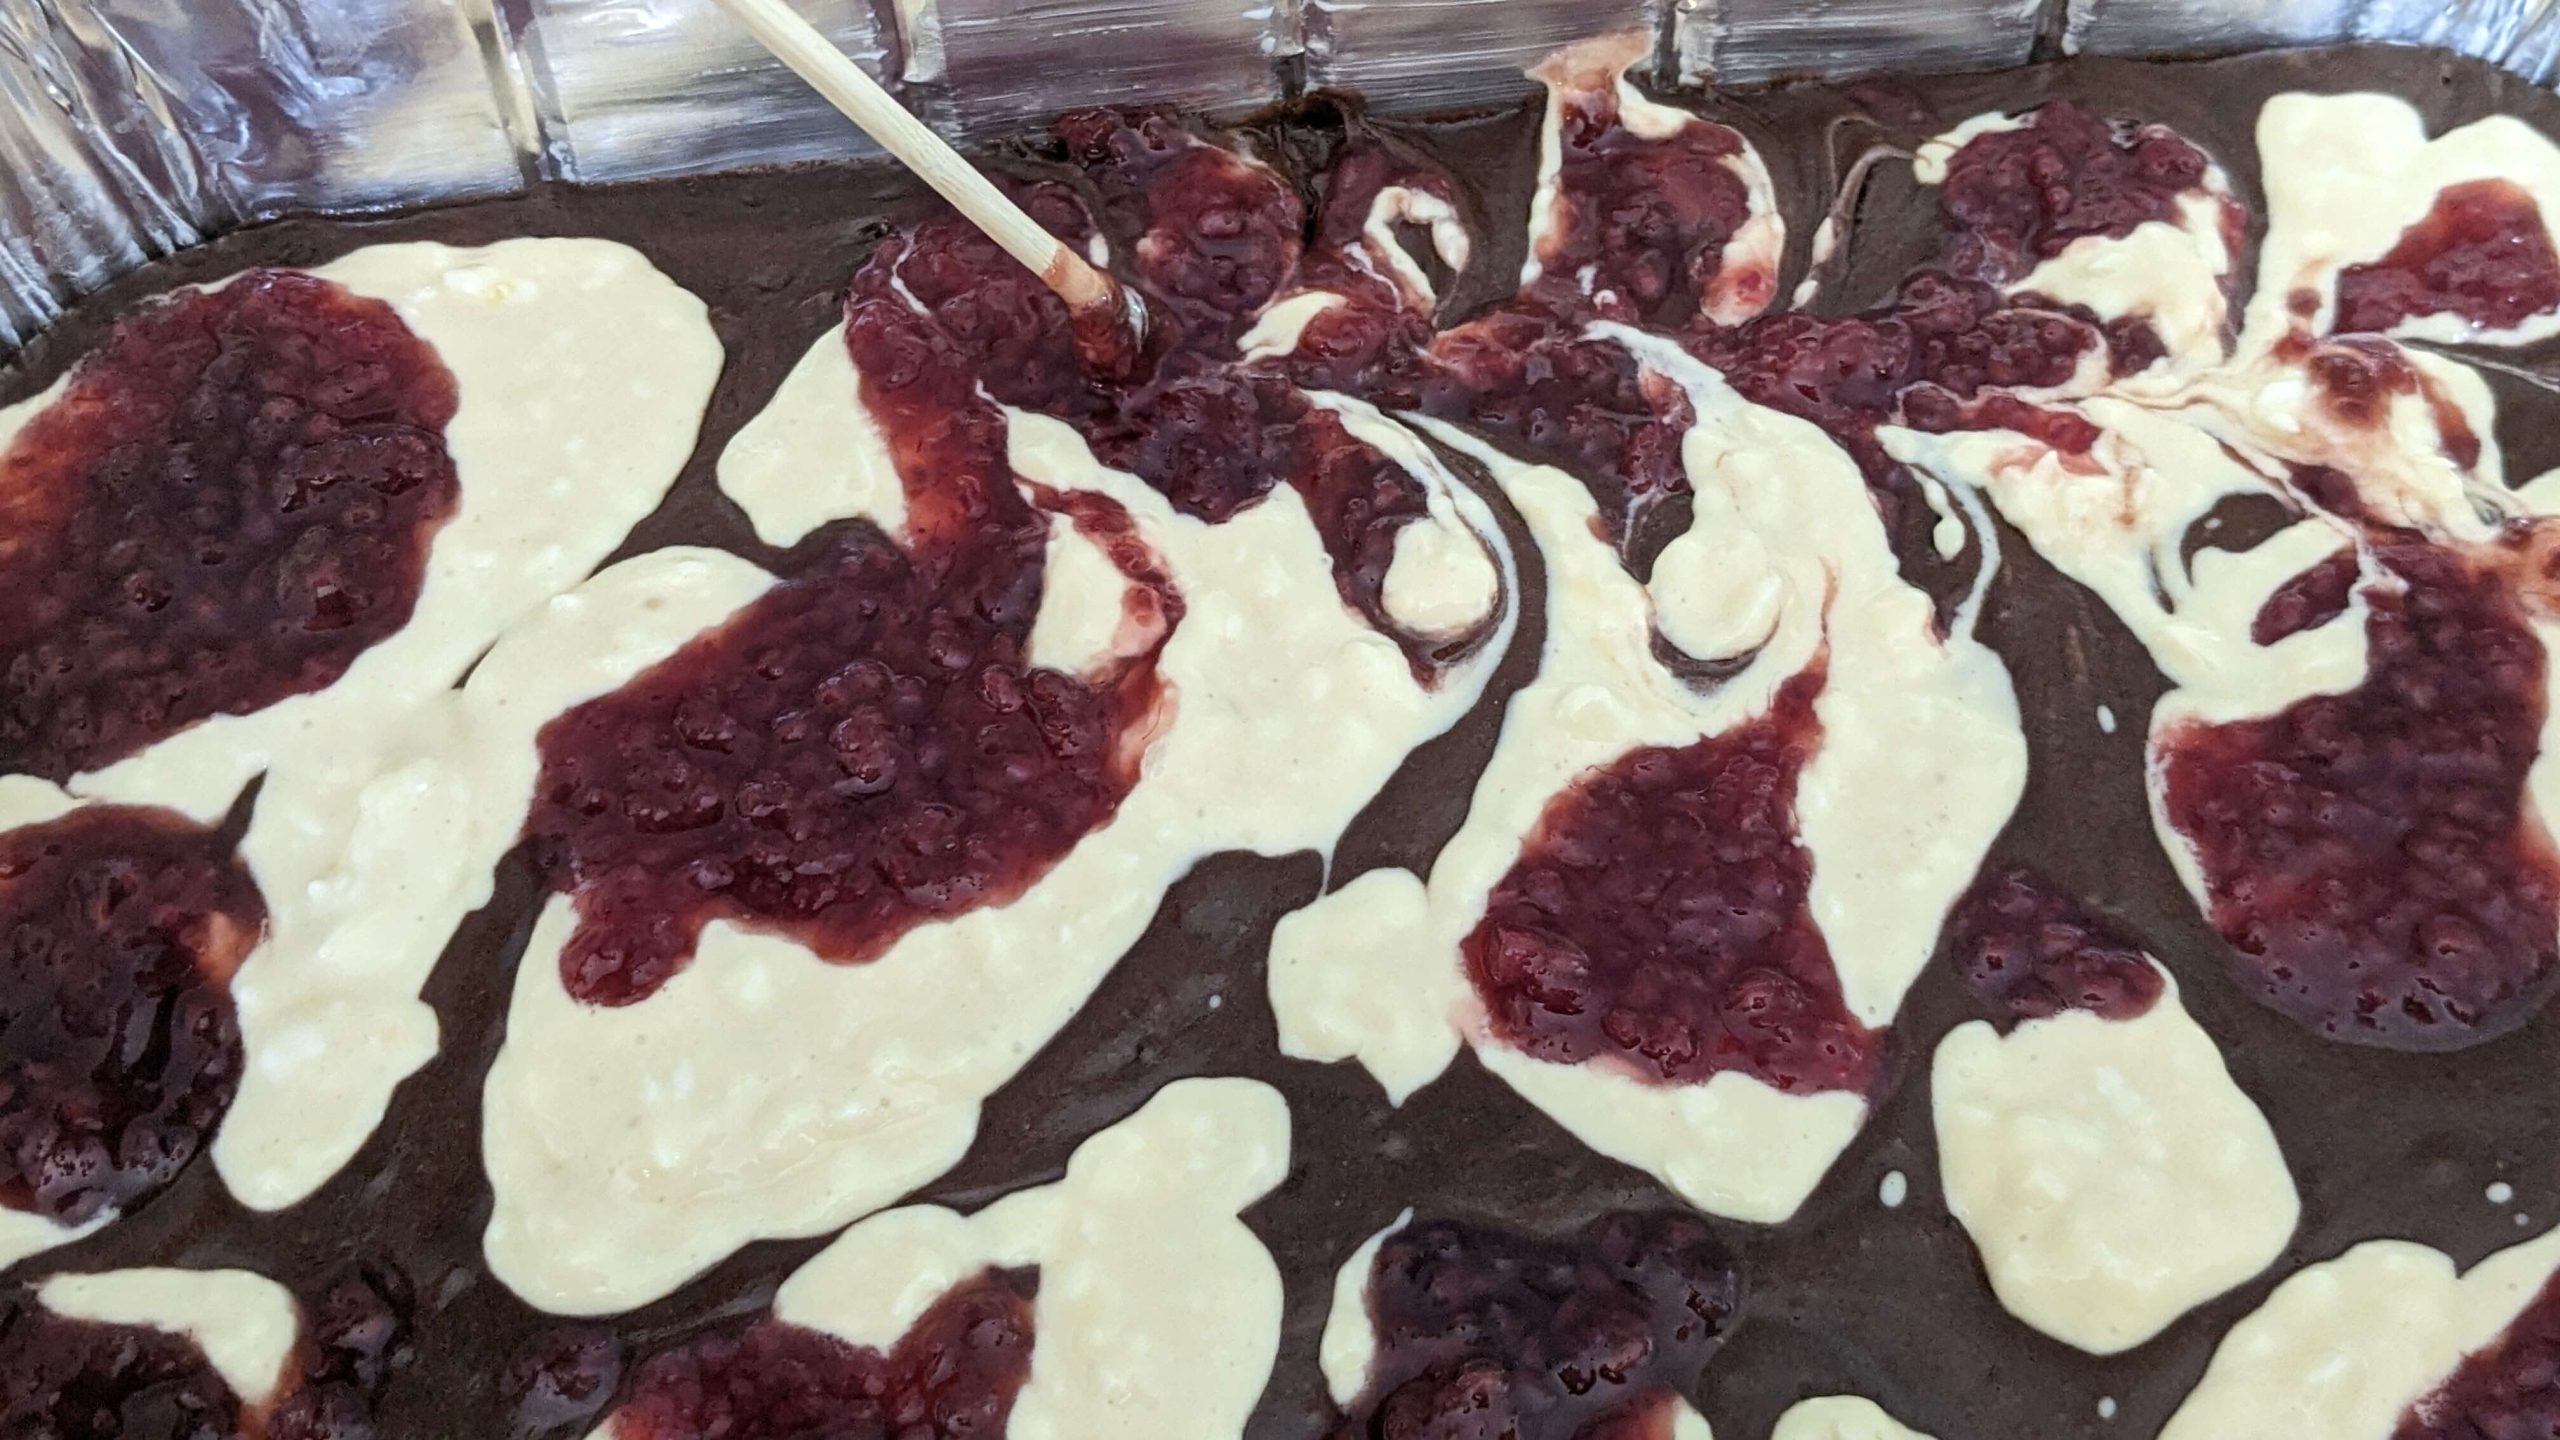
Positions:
(1641, 222)
(124, 1050)
(953, 1376)
(1486, 1333)
(1658, 918)
(2356, 379)
(66, 1379)
(1925, 359)
(864, 749)
(2020, 196)
(1209, 239)
(1638, 230)
(2308, 600)
(2032, 952)
(1928, 358)
(231, 500)
(63, 1379)
(2372, 856)
(357, 1334)
(2482, 253)
(1936, 355)
(2506, 1390)
(868, 746)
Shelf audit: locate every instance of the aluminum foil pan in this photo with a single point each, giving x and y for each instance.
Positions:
(130, 128)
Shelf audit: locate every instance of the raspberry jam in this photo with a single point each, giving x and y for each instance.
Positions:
(63, 1379)
(1528, 378)
(953, 1376)
(2482, 253)
(2357, 379)
(2032, 952)
(1482, 1332)
(1210, 239)
(1641, 221)
(868, 746)
(1527, 375)
(1658, 917)
(124, 1051)
(864, 749)
(1638, 232)
(356, 1336)
(2307, 601)
(2011, 199)
(1923, 359)
(232, 499)
(2511, 1387)
(2370, 856)
(2020, 196)
(1210, 236)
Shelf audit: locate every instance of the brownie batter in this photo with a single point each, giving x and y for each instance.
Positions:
(1848, 1296)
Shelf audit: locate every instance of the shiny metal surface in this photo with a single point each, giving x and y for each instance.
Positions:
(129, 128)
(1739, 41)
(2519, 35)
(1009, 62)
(1423, 54)
(633, 89)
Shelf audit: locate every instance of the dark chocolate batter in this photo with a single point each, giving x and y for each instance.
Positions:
(1850, 1295)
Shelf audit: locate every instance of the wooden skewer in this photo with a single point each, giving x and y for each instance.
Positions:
(1089, 293)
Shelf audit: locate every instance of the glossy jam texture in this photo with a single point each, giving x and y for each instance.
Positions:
(953, 1376)
(64, 1379)
(123, 927)
(867, 747)
(357, 1334)
(1640, 221)
(2507, 1390)
(864, 749)
(2483, 253)
(2370, 855)
(1923, 359)
(1486, 1333)
(2011, 199)
(1658, 918)
(2021, 196)
(2308, 600)
(1211, 235)
(2357, 379)
(1209, 238)
(2031, 952)
(232, 499)
(1638, 230)
(1527, 378)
